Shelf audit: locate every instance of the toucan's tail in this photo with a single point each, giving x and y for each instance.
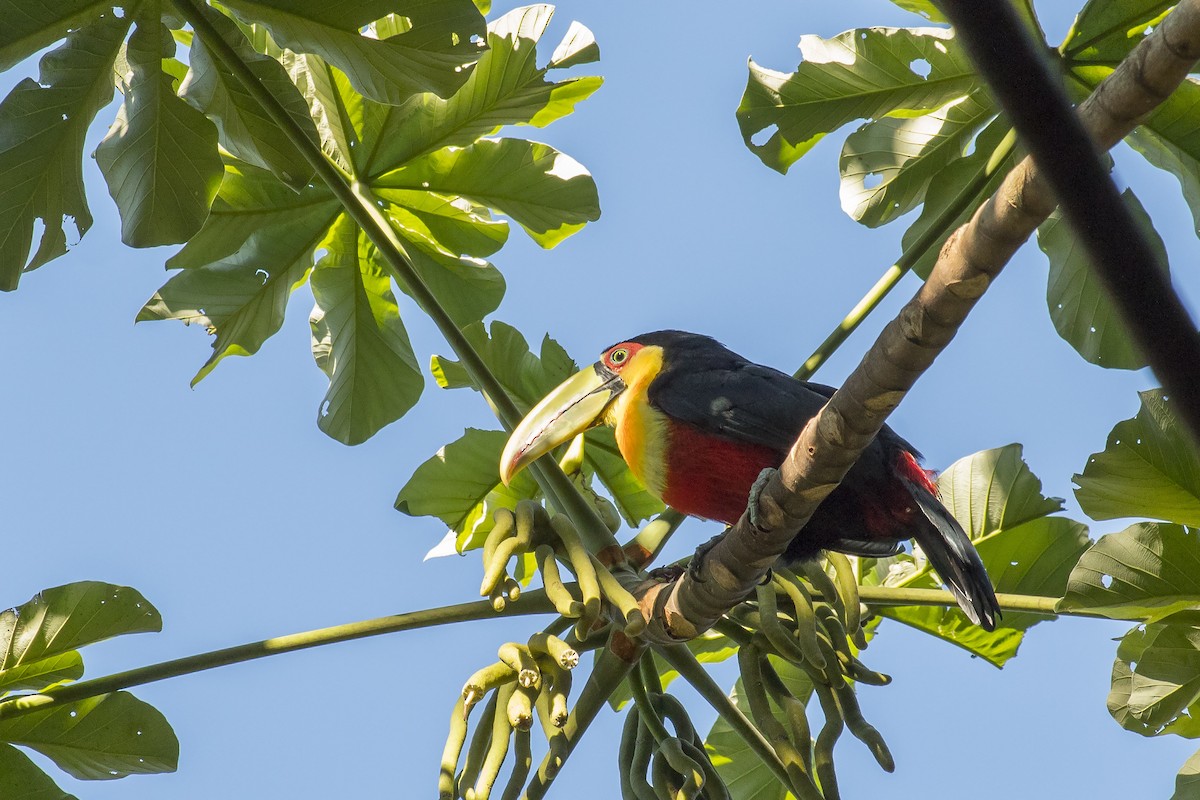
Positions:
(951, 553)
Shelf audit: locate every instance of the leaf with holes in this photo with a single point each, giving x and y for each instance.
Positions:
(1148, 468)
(886, 165)
(359, 342)
(435, 55)
(956, 192)
(1146, 572)
(99, 738)
(1156, 681)
(866, 73)
(38, 639)
(42, 129)
(21, 779)
(160, 156)
(241, 268)
(1079, 305)
(999, 503)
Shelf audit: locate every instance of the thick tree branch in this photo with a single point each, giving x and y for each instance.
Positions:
(1117, 247)
(969, 261)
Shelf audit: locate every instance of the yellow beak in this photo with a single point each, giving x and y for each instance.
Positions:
(576, 405)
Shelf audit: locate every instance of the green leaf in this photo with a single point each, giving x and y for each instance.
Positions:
(865, 73)
(461, 487)
(30, 25)
(1156, 681)
(1082, 312)
(435, 55)
(42, 129)
(506, 88)
(747, 777)
(1146, 572)
(956, 192)
(38, 639)
(21, 779)
(550, 194)
(245, 129)
(901, 155)
(994, 490)
(1170, 140)
(359, 342)
(160, 155)
(99, 738)
(1187, 782)
(240, 269)
(1106, 30)
(998, 500)
(527, 379)
(1148, 468)
(577, 47)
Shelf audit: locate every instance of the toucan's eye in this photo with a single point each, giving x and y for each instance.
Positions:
(618, 356)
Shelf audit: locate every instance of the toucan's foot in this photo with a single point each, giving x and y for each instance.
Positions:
(693, 567)
(667, 574)
(760, 483)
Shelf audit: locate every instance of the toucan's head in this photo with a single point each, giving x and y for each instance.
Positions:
(590, 396)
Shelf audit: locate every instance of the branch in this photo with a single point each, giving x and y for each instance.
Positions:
(970, 260)
(534, 602)
(1117, 247)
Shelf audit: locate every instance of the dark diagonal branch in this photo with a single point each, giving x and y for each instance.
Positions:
(1117, 247)
(970, 260)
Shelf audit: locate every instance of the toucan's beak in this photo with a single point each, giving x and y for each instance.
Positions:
(576, 405)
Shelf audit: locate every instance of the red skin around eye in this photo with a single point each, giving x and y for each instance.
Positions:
(630, 349)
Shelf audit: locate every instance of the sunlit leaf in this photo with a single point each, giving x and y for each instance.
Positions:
(1187, 782)
(1156, 681)
(1082, 312)
(99, 738)
(42, 129)
(1106, 30)
(38, 638)
(160, 155)
(886, 165)
(550, 194)
(1146, 572)
(1148, 468)
(924, 8)
(999, 502)
(865, 73)
(954, 193)
(244, 127)
(1170, 140)
(435, 55)
(21, 779)
(505, 88)
(359, 342)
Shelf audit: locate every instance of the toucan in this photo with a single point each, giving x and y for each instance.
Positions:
(698, 423)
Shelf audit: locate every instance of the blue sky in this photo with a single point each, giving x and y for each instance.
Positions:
(232, 513)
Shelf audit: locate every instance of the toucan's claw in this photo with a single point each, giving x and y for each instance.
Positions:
(668, 573)
(693, 567)
(760, 483)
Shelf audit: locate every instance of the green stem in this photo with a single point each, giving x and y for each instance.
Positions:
(1034, 604)
(691, 670)
(360, 205)
(645, 547)
(534, 602)
(603, 681)
(934, 235)
(649, 716)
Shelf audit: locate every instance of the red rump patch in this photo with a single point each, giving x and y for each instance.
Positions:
(710, 477)
(909, 468)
